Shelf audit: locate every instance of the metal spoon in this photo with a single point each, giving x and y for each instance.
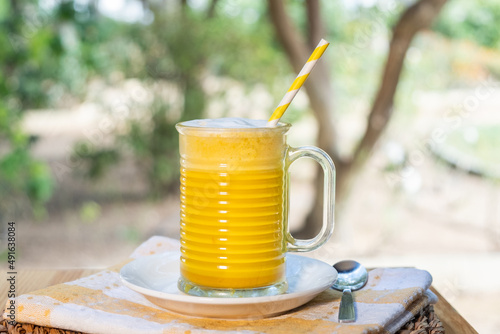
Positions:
(352, 276)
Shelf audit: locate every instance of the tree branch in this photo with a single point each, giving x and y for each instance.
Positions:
(417, 17)
(318, 85)
(315, 27)
(184, 5)
(211, 9)
(295, 48)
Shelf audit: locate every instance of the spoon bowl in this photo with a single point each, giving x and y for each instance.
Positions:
(352, 276)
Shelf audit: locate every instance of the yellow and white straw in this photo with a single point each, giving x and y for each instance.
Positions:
(297, 83)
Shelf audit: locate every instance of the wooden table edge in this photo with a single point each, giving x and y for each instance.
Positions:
(452, 321)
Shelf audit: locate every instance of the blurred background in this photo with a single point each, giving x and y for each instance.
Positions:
(405, 100)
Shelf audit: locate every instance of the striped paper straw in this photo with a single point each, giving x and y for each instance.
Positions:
(297, 83)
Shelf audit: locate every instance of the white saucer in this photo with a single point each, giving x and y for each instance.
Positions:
(156, 278)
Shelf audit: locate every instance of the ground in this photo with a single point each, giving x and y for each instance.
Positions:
(424, 214)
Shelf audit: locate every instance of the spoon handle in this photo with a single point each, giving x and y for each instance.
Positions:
(346, 311)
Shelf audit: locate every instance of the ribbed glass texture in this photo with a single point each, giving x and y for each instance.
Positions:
(233, 206)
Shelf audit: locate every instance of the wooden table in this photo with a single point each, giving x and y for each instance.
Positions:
(30, 280)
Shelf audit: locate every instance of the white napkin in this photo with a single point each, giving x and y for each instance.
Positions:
(100, 303)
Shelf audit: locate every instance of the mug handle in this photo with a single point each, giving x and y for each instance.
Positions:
(317, 154)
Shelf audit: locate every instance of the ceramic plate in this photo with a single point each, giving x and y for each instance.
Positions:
(156, 278)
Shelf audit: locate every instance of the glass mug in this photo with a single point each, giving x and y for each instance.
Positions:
(234, 207)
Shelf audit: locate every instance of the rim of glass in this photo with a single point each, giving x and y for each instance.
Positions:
(280, 126)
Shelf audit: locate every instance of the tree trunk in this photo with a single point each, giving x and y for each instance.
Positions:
(315, 26)
(211, 9)
(417, 17)
(318, 85)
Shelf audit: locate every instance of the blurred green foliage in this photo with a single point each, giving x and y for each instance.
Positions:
(477, 21)
(156, 148)
(183, 47)
(96, 159)
(49, 54)
(23, 180)
(44, 54)
(90, 211)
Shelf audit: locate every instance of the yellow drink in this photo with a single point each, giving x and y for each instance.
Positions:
(232, 206)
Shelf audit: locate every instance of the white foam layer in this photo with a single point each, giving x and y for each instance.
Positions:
(229, 123)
